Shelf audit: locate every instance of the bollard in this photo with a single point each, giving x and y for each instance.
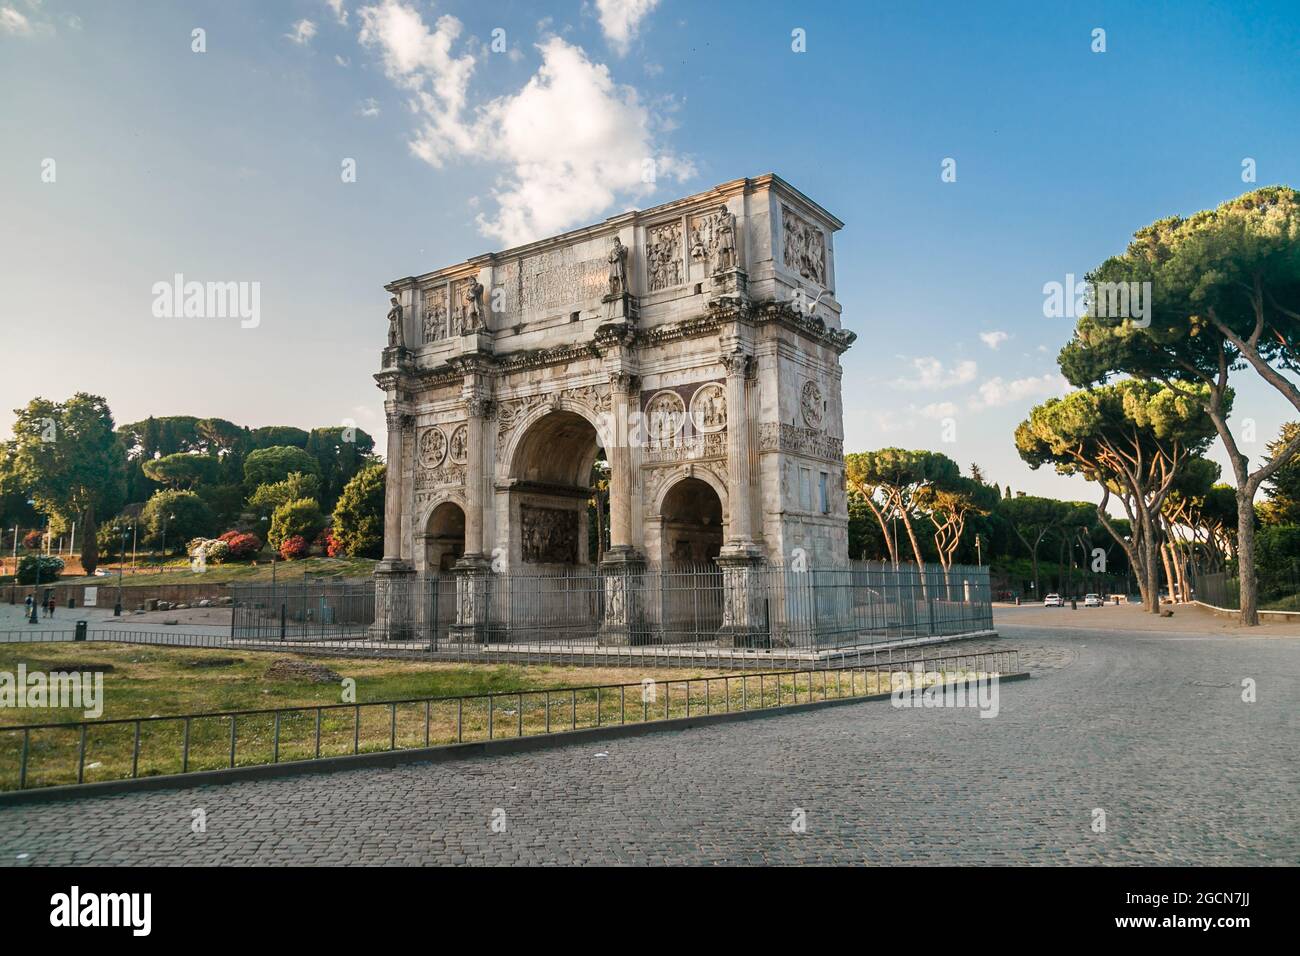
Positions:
(72, 604)
(81, 631)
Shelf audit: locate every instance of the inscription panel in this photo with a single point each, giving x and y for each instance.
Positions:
(558, 278)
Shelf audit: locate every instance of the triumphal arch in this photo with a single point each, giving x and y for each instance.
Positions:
(694, 347)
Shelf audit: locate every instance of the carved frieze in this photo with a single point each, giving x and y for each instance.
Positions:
(809, 442)
(664, 256)
(804, 248)
(693, 448)
(548, 535)
(448, 473)
(435, 313)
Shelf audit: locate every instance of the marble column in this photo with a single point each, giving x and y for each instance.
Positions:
(474, 570)
(394, 577)
(740, 534)
(744, 621)
(393, 490)
(622, 566)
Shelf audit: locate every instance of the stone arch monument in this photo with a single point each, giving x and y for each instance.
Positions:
(696, 344)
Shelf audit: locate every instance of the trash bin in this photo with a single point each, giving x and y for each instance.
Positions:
(81, 631)
(72, 604)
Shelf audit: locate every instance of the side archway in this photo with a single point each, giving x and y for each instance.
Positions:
(444, 537)
(692, 522)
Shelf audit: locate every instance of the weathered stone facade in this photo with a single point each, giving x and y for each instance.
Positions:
(696, 342)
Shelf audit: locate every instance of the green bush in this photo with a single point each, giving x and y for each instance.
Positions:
(267, 498)
(268, 465)
(50, 568)
(359, 514)
(183, 515)
(300, 517)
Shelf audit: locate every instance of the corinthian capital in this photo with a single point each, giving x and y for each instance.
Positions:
(737, 363)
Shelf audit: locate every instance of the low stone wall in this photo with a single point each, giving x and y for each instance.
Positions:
(133, 597)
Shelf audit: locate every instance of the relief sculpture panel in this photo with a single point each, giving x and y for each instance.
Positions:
(548, 535)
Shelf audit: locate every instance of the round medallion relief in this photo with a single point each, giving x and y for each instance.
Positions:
(432, 447)
(665, 415)
(458, 447)
(810, 402)
(709, 408)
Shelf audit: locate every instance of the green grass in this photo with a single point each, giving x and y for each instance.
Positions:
(150, 680)
(245, 572)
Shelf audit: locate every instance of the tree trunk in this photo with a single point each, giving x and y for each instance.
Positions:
(1152, 569)
(89, 541)
(1246, 559)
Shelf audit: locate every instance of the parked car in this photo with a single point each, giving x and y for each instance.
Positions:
(1053, 600)
(1092, 600)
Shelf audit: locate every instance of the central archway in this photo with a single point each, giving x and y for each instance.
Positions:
(551, 485)
(692, 523)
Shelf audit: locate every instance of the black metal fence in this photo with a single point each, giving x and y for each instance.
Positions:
(772, 608)
(1279, 590)
(40, 755)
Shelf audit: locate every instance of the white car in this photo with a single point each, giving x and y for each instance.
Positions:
(1053, 600)
(1092, 600)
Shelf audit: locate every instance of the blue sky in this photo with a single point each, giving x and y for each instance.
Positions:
(225, 165)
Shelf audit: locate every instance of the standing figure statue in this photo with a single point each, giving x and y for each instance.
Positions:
(395, 323)
(474, 298)
(726, 255)
(618, 268)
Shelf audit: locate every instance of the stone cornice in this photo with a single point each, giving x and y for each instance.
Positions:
(785, 315)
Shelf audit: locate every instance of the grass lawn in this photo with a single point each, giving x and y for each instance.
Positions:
(145, 681)
(177, 571)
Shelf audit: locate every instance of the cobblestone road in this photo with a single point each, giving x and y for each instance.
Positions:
(1146, 724)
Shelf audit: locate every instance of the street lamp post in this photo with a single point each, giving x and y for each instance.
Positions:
(37, 586)
(166, 518)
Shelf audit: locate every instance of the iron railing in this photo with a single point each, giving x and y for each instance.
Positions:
(784, 608)
(41, 755)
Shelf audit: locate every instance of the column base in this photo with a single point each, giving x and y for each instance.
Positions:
(744, 605)
(473, 580)
(622, 571)
(394, 594)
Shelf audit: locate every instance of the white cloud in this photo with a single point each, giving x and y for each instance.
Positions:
(619, 19)
(997, 391)
(939, 410)
(342, 61)
(574, 142)
(930, 373)
(13, 22)
(370, 107)
(993, 339)
(340, 11)
(302, 33)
